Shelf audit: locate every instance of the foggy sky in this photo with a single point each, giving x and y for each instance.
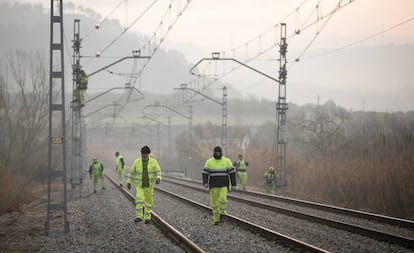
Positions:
(215, 25)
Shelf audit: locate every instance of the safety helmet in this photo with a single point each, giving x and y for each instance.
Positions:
(94, 159)
(271, 169)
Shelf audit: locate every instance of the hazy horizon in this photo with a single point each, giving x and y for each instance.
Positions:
(383, 84)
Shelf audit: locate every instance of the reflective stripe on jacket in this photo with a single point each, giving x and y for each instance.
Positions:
(218, 172)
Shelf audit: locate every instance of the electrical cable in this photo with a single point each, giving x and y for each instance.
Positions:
(361, 40)
(160, 26)
(338, 6)
(318, 32)
(267, 30)
(105, 19)
(127, 28)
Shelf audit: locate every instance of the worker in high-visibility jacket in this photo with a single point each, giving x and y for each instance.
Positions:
(83, 86)
(270, 179)
(145, 172)
(217, 172)
(96, 173)
(241, 170)
(120, 166)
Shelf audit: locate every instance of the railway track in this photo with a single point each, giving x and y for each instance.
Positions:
(393, 233)
(166, 228)
(244, 236)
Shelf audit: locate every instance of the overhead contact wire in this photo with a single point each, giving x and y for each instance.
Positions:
(127, 28)
(105, 19)
(362, 40)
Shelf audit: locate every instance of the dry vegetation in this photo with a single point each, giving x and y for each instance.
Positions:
(14, 191)
(23, 127)
(368, 167)
(360, 160)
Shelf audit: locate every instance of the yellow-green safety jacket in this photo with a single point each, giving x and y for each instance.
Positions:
(218, 172)
(120, 163)
(83, 82)
(241, 166)
(135, 172)
(270, 178)
(96, 169)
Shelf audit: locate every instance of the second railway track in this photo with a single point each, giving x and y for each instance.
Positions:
(337, 238)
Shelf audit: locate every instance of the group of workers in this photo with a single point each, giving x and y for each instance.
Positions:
(219, 175)
(270, 177)
(145, 173)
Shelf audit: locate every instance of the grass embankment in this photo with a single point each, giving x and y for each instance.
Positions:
(15, 191)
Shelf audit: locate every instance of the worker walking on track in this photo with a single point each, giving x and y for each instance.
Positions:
(217, 172)
(96, 173)
(270, 179)
(241, 170)
(145, 172)
(120, 166)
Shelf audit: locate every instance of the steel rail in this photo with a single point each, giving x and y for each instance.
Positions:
(269, 234)
(372, 233)
(340, 210)
(169, 230)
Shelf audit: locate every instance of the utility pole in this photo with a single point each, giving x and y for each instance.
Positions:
(169, 140)
(78, 123)
(189, 138)
(281, 108)
(280, 138)
(159, 123)
(189, 134)
(224, 122)
(184, 86)
(76, 162)
(57, 130)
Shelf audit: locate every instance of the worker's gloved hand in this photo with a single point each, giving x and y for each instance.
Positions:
(129, 186)
(157, 181)
(205, 185)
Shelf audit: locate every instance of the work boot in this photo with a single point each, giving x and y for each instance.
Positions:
(103, 188)
(121, 185)
(138, 220)
(94, 191)
(147, 221)
(216, 223)
(222, 216)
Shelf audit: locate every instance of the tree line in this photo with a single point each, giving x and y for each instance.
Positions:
(354, 159)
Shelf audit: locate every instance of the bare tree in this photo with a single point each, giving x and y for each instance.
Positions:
(24, 110)
(321, 128)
